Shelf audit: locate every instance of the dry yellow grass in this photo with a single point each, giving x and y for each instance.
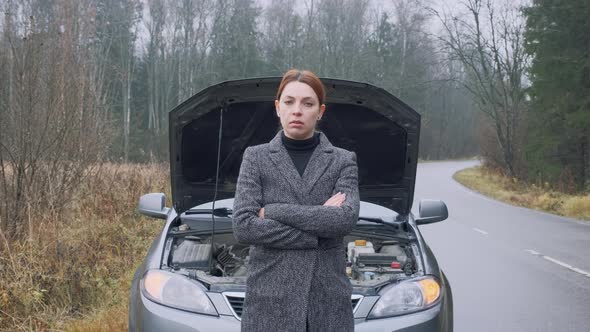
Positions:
(111, 319)
(74, 273)
(578, 207)
(513, 191)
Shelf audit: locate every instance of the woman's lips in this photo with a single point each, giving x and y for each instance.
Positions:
(296, 123)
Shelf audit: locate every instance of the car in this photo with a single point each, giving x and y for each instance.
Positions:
(193, 276)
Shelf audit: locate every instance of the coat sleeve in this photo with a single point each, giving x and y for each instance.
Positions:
(248, 227)
(324, 221)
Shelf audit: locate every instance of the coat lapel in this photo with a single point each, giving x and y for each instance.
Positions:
(283, 163)
(319, 161)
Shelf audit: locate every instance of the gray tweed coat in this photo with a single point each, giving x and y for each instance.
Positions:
(297, 273)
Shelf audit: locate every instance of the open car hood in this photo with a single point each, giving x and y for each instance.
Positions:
(381, 129)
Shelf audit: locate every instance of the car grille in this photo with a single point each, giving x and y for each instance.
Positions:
(236, 302)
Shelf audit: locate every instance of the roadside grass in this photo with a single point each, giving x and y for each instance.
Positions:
(513, 191)
(102, 319)
(112, 316)
(73, 273)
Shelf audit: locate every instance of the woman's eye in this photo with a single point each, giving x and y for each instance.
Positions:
(288, 102)
(309, 104)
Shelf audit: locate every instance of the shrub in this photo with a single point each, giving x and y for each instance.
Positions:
(81, 263)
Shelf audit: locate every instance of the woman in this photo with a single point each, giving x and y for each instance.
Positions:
(296, 198)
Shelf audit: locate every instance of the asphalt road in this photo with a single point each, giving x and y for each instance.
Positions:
(510, 268)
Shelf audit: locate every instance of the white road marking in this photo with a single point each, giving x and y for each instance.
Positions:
(567, 266)
(560, 263)
(480, 231)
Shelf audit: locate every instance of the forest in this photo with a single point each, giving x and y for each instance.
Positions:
(88, 84)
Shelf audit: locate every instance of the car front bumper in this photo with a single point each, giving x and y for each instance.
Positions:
(429, 320)
(150, 316)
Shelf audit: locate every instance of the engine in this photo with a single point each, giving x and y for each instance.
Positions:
(367, 265)
(193, 254)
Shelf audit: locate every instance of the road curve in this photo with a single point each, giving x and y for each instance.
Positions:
(510, 268)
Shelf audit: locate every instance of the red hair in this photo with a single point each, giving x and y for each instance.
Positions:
(303, 76)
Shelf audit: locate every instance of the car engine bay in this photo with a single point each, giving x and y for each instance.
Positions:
(372, 261)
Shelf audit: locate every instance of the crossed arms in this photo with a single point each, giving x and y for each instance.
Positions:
(291, 226)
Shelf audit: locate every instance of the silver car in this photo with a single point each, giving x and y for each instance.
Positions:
(193, 277)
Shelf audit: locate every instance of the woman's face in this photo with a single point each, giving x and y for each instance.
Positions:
(299, 110)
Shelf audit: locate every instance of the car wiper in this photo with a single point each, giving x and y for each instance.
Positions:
(218, 212)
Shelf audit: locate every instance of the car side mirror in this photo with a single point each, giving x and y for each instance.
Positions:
(153, 205)
(432, 211)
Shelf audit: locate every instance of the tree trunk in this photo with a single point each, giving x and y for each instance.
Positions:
(402, 71)
(585, 172)
(126, 94)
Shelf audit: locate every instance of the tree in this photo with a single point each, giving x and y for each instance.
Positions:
(379, 52)
(52, 128)
(158, 78)
(282, 37)
(489, 44)
(340, 27)
(117, 22)
(194, 41)
(234, 48)
(559, 140)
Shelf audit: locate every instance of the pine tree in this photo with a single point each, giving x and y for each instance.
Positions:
(558, 149)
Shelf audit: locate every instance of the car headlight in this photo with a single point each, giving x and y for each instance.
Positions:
(176, 291)
(406, 297)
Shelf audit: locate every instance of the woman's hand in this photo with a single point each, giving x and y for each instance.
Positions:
(261, 213)
(336, 200)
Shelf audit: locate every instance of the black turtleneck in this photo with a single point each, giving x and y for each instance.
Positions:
(300, 150)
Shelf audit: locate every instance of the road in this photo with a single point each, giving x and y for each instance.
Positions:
(510, 268)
